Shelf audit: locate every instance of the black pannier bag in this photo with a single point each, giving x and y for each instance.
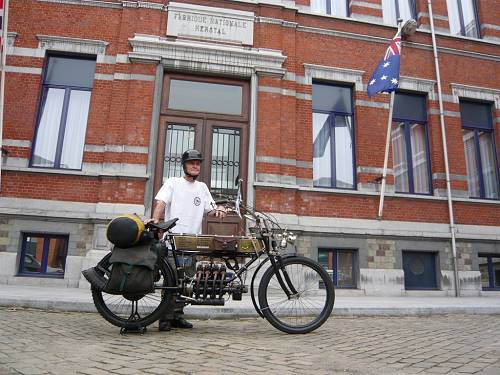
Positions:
(132, 270)
(132, 261)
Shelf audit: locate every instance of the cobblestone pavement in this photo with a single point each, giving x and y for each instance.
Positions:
(39, 342)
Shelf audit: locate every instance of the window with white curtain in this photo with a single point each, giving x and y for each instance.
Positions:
(462, 17)
(64, 109)
(410, 150)
(394, 9)
(332, 7)
(333, 137)
(480, 151)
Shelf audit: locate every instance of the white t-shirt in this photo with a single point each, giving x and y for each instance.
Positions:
(186, 200)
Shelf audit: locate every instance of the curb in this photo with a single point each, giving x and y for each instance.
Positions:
(212, 312)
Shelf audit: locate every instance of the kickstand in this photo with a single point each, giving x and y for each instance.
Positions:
(134, 316)
(138, 329)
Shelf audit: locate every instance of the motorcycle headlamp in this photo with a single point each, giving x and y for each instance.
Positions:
(283, 242)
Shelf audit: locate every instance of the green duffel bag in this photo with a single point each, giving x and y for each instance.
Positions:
(132, 270)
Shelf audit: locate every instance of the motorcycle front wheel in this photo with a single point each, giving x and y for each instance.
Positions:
(134, 311)
(304, 311)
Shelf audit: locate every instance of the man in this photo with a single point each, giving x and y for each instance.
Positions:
(189, 200)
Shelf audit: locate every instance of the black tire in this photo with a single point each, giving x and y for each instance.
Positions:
(312, 305)
(117, 309)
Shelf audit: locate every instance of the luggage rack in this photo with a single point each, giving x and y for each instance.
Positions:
(215, 244)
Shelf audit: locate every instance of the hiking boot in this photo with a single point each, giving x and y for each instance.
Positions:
(165, 325)
(181, 323)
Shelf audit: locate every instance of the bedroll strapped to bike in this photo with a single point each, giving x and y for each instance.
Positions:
(125, 230)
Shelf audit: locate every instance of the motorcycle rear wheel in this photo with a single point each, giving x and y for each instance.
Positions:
(309, 308)
(134, 312)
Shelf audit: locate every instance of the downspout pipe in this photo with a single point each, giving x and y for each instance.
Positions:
(445, 152)
(252, 142)
(3, 63)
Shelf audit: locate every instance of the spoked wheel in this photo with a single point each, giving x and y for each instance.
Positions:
(134, 311)
(305, 310)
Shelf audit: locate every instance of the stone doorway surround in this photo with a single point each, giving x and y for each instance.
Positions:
(205, 57)
(200, 57)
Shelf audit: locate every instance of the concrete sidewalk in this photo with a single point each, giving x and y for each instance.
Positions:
(78, 299)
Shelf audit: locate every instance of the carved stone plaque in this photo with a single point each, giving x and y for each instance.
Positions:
(208, 23)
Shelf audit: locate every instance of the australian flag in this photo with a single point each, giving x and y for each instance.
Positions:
(386, 76)
(1, 24)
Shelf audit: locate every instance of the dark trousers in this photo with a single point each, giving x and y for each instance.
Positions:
(176, 308)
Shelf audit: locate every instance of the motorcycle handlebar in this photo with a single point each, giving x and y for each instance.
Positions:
(221, 202)
(162, 226)
(226, 201)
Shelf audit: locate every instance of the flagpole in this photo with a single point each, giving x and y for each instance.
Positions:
(445, 155)
(387, 143)
(386, 158)
(2, 77)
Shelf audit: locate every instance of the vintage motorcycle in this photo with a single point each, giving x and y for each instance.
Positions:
(294, 293)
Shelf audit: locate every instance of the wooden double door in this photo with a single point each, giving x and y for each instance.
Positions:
(221, 136)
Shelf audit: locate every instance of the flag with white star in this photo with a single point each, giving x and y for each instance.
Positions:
(1, 24)
(386, 76)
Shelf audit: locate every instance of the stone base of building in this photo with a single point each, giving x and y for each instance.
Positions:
(373, 282)
(376, 264)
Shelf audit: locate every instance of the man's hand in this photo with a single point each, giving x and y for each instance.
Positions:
(220, 212)
(158, 213)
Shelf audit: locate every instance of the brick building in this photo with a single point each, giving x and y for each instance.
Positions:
(102, 96)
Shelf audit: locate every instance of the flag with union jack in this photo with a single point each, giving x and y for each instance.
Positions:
(1, 25)
(385, 78)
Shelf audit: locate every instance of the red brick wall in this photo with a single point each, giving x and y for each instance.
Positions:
(359, 8)
(489, 14)
(121, 110)
(439, 8)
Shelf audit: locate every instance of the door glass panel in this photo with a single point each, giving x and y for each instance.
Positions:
(225, 160)
(205, 97)
(179, 138)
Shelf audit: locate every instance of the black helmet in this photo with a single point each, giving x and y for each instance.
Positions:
(191, 155)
